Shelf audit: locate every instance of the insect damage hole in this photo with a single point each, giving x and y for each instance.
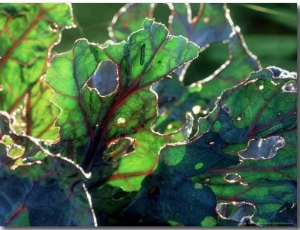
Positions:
(121, 122)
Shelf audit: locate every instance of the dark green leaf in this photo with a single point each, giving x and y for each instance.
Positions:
(266, 177)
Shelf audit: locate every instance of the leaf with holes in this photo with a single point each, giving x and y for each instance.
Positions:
(199, 98)
(212, 24)
(40, 189)
(265, 104)
(27, 33)
(251, 183)
(91, 124)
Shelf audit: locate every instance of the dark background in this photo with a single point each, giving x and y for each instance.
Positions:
(269, 29)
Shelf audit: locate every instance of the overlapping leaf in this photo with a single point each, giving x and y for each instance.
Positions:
(212, 24)
(27, 33)
(38, 189)
(200, 97)
(89, 123)
(266, 183)
(169, 193)
(266, 178)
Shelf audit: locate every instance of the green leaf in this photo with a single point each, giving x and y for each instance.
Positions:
(211, 22)
(199, 98)
(89, 122)
(194, 202)
(27, 33)
(40, 189)
(266, 176)
(217, 158)
(128, 19)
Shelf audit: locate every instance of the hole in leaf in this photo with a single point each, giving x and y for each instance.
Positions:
(196, 109)
(290, 87)
(161, 13)
(214, 57)
(118, 149)
(170, 126)
(105, 78)
(121, 122)
(232, 177)
(261, 87)
(206, 20)
(235, 210)
(53, 27)
(226, 108)
(263, 148)
(238, 118)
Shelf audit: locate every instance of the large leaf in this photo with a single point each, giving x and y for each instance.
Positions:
(212, 24)
(266, 177)
(37, 188)
(90, 123)
(258, 185)
(27, 33)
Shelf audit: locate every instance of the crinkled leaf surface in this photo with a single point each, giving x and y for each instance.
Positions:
(39, 190)
(199, 98)
(27, 33)
(89, 122)
(170, 194)
(214, 160)
(268, 112)
(212, 24)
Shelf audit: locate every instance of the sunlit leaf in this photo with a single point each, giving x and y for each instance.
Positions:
(90, 122)
(27, 33)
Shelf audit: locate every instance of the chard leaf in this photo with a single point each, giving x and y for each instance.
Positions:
(199, 98)
(256, 187)
(37, 188)
(90, 122)
(27, 33)
(266, 176)
(211, 24)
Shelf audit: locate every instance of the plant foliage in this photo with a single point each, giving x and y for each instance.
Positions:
(108, 134)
